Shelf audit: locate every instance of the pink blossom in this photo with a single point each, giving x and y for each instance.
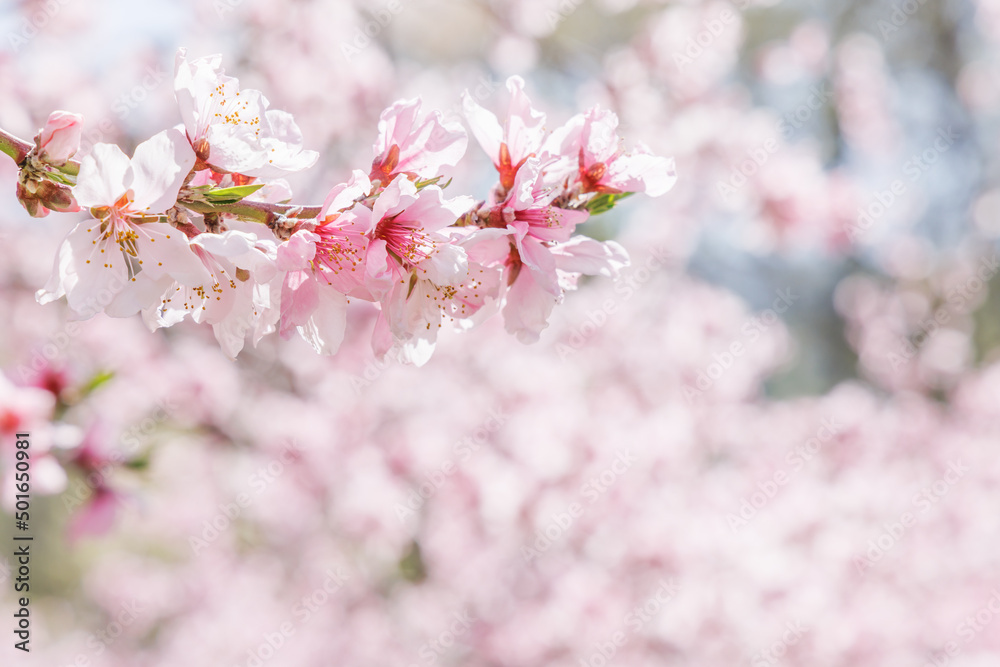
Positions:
(520, 136)
(415, 146)
(408, 248)
(324, 265)
(233, 130)
(531, 238)
(602, 164)
(413, 312)
(122, 260)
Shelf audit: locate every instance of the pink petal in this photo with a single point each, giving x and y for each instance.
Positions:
(60, 138)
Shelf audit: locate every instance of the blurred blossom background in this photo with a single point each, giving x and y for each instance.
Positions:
(772, 441)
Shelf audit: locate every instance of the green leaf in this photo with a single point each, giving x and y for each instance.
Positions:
(605, 202)
(411, 565)
(139, 463)
(432, 181)
(60, 178)
(102, 378)
(232, 195)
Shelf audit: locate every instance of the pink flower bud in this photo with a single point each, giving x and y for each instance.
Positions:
(59, 140)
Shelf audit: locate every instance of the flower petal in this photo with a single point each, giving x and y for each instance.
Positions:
(60, 138)
(325, 329)
(582, 254)
(101, 181)
(159, 167)
(485, 127)
(298, 251)
(528, 307)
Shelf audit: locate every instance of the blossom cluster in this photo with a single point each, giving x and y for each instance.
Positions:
(197, 224)
(810, 487)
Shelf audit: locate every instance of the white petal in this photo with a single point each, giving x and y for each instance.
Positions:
(448, 265)
(95, 277)
(141, 292)
(165, 251)
(63, 277)
(101, 181)
(159, 167)
(228, 244)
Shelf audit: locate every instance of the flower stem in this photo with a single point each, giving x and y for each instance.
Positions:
(16, 148)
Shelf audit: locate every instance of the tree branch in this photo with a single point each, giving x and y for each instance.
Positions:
(256, 211)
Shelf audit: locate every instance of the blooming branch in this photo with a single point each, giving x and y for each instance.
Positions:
(197, 223)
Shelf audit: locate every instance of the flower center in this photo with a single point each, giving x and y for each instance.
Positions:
(335, 251)
(409, 243)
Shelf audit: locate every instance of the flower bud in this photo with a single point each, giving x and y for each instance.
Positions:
(59, 140)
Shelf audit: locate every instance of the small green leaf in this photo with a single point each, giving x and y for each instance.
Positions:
(138, 463)
(429, 181)
(411, 565)
(432, 181)
(60, 178)
(102, 378)
(605, 202)
(232, 195)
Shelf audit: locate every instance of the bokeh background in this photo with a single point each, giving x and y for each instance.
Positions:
(772, 441)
